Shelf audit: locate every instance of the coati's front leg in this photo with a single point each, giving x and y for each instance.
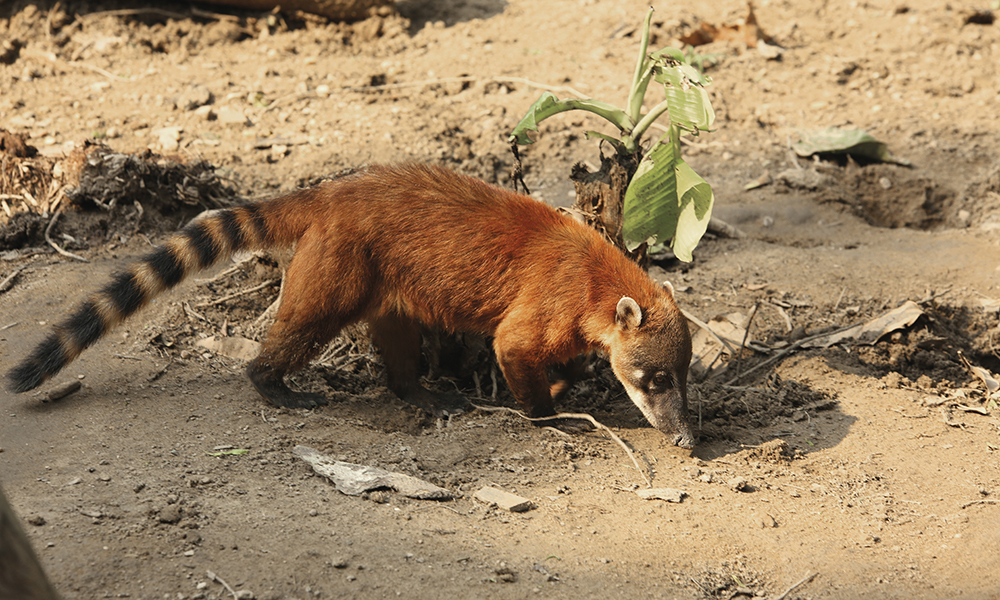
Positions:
(526, 378)
(566, 374)
(525, 372)
(398, 341)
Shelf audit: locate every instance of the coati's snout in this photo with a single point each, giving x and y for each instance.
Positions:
(650, 355)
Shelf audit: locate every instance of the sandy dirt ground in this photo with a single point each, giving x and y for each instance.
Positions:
(854, 470)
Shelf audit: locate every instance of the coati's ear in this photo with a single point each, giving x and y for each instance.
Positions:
(628, 315)
(669, 287)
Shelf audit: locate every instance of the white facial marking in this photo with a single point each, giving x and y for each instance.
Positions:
(639, 399)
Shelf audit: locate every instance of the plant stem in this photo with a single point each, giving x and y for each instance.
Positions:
(638, 89)
(648, 119)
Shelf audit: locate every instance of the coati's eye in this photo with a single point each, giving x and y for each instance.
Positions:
(661, 381)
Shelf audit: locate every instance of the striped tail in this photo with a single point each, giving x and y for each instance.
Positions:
(195, 247)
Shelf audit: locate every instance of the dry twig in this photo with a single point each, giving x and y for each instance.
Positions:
(9, 280)
(48, 238)
(236, 294)
(215, 577)
(581, 416)
(785, 352)
(743, 344)
(802, 581)
(984, 501)
(708, 330)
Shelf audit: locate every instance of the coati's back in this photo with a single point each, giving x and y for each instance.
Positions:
(459, 253)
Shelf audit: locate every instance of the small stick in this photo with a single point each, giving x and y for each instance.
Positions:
(237, 294)
(783, 353)
(229, 271)
(127, 12)
(805, 579)
(48, 238)
(159, 373)
(708, 330)
(784, 315)
(723, 229)
(743, 344)
(126, 356)
(985, 501)
(9, 280)
(582, 416)
(191, 312)
(934, 296)
(215, 577)
(836, 305)
(270, 310)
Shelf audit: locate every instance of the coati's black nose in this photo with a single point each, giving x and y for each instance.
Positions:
(683, 440)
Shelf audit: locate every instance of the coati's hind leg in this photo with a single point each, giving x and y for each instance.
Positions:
(288, 348)
(398, 341)
(317, 301)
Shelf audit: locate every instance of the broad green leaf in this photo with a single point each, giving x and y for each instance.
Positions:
(690, 106)
(856, 142)
(669, 52)
(651, 198)
(667, 200)
(695, 211)
(548, 104)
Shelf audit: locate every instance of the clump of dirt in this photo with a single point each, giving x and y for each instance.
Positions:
(105, 176)
(23, 229)
(92, 176)
(13, 144)
(773, 451)
(729, 412)
(730, 579)
(931, 350)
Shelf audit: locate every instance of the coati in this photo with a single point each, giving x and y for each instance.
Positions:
(401, 246)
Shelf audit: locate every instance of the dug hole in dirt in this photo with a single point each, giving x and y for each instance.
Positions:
(833, 462)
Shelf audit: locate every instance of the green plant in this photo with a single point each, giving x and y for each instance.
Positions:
(665, 199)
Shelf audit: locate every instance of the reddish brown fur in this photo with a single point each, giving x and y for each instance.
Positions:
(401, 246)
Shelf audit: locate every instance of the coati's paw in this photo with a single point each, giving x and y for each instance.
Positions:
(274, 390)
(439, 404)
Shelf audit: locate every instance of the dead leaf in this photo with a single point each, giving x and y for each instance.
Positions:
(870, 332)
(353, 480)
(748, 31)
(239, 348)
(852, 142)
(706, 348)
